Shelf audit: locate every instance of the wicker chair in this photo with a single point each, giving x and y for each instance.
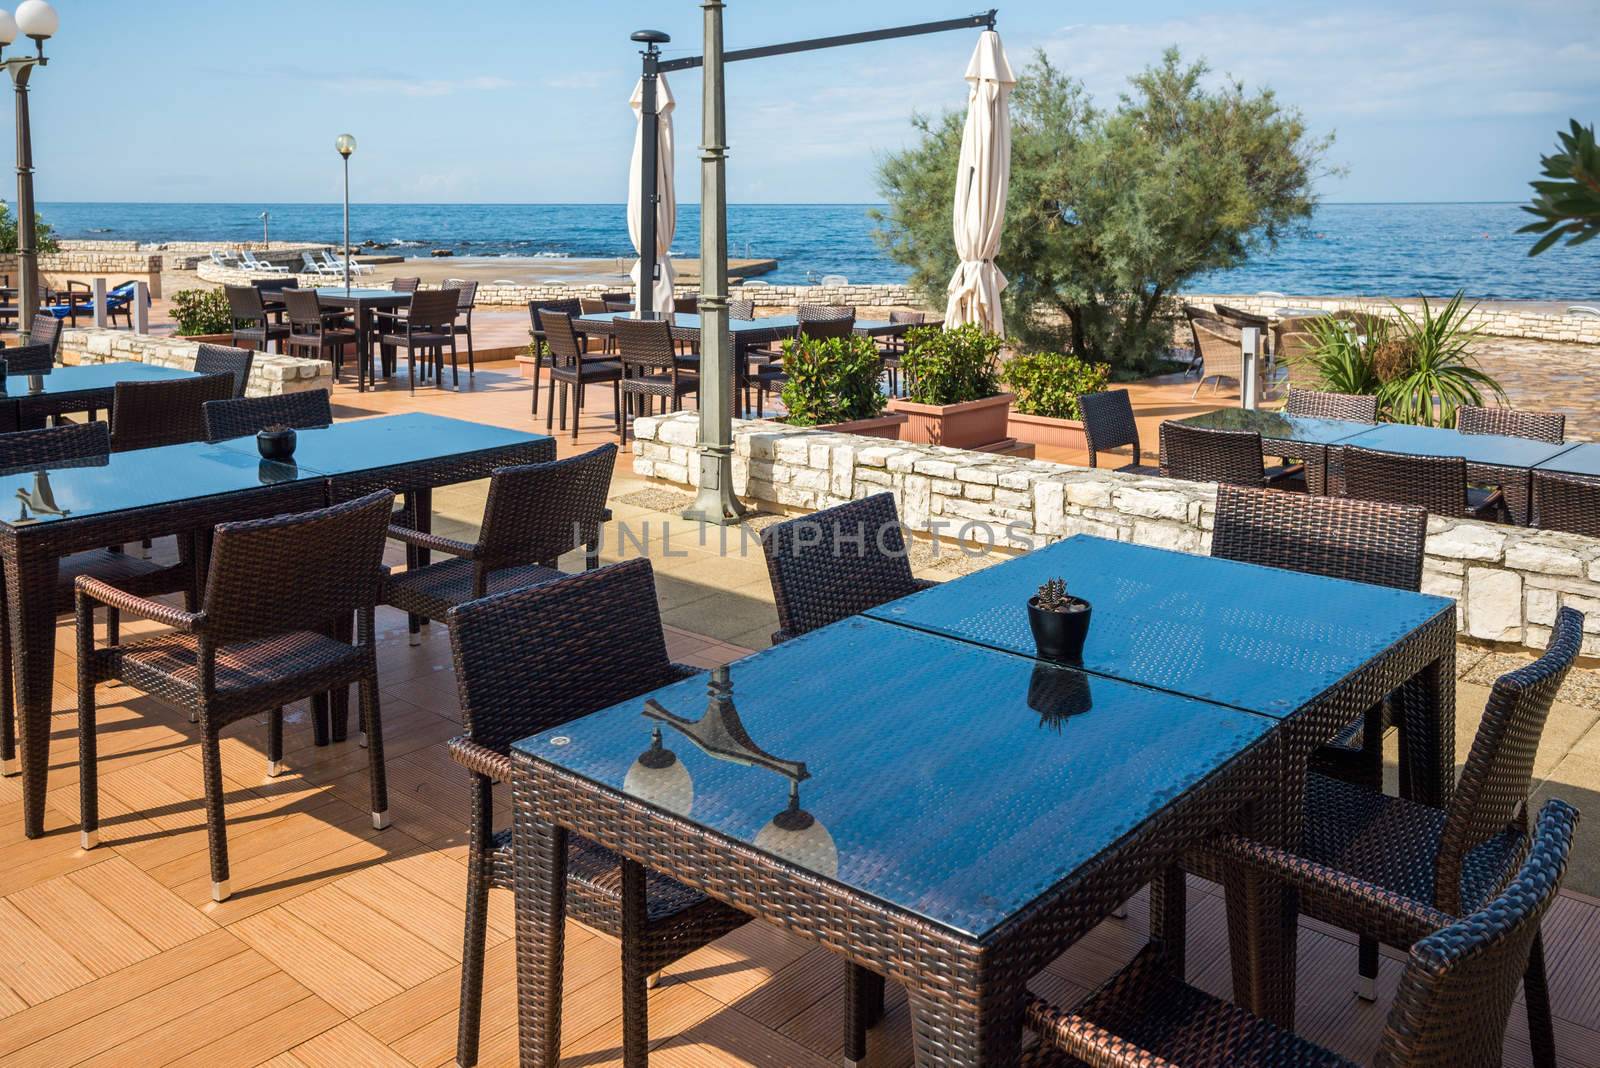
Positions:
(466, 297)
(571, 308)
(686, 305)
(1292, 343)
(145, 415)
(1321, 405)
(893, 347)
(1454, 1002)
(34, 358)
(741, 309)
(1566, 502)
(46, 331)
(65, 444)
(256, 644)
(427, 326)
(617, 301)
(1381, 865)
(572, 368)
(530, 660)
(1437, 483)
(1549, 427)
(405, 285)
(244, 416)
(1219, 346)
(324, 332)
(533, 514)
(226, 360)
(651, 367)
(770, 375)
(1108, 423)
(251, 322)
(1230, 457)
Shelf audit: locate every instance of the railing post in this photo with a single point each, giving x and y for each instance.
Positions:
(141, 308)
(100, 303)
(1250, 342)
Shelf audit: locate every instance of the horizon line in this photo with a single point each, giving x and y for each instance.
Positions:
(622, 204)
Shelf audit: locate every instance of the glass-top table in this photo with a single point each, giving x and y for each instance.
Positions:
(84, 387)
(1279, 431)
(689, 321)
(1496, 450)
(1257, 638)
(1580, 459)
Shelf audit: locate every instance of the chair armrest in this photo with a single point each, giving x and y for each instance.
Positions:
(93, 589)
(479, 758)
(418, 540)
(1082, 1038)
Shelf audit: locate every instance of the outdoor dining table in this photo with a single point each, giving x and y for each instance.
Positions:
(187, 490)
(1580, 459)
(980, 808)
(363, 302)
(1302, 437)
(84, 387)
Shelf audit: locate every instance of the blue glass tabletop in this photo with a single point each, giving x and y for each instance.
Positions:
(691, 321)
(1494, 449)
(1279, 426)
(341, 293)
(142, 478)
(1581, 459)
(88, 376)
(1257, 638)
(356, 445)
(956, 782)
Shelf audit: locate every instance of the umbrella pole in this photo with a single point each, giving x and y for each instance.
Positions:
(715, 502)
(648, 198)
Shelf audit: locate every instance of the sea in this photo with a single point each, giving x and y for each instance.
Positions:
(1345, 249)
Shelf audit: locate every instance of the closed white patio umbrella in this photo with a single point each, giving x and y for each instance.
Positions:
(981, 185)
(667, 205)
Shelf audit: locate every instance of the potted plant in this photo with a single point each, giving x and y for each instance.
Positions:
(955, 396)
(1047, 386)
(203, 315)
(832, 383)
(1060, 622)
(276, 442)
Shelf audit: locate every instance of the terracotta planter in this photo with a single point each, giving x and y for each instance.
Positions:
(884, 426)
(214, 339)
(1047, 430)
(968, 425)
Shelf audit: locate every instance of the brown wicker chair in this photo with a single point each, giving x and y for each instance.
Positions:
(66, 444)
(1230, 457)
(244, 416)
(466, 297)
(893, 347)
(616, 302)
(686, 304)
(405, 285)
(164, 412)
(1292, 343)
(533, 514)
(225, 360)
(34, 358)
(1321, 405)
(1381, 865)
(652, 367)
(571, 308)
(324, 332)
(251, 322)
(1219, 345)
(427, 326)
(770, 375)
(741, 309)
(257, 644)
(530, 660)
(1454, 1002)
(46, 330)
(1566, 502)
(572, 368)
(1108, 423)
(1549, 427)
(1437, 483)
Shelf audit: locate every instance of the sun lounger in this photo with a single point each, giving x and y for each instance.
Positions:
(251, 263)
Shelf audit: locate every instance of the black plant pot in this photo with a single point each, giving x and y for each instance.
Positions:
(1059, 636)
(276, 444)
(1057, 693)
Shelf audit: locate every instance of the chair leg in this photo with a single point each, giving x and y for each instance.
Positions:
(216, 817)
(538, 365)
(475, 935)
(472, 368)
(616, 406)
(455, 371)
(275, 742)
(374, 723)
(577, 406)
(1367, 984)
(8, 701)
(1536, 992)
(88, 756)
(863, 1008)
(550, 406)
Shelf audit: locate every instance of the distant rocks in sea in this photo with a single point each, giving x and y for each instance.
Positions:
(443, 252)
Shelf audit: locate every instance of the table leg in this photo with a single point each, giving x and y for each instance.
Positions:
(1427, 714)
(540, 852)
(963, 1028)
(30, 588)
(1263, 913)
(363, 350)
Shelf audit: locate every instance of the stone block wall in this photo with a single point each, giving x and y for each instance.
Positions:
(270, 374)
(1504, 319)
(86, 264)
(1507, 581)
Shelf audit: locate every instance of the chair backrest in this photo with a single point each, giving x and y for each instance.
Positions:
(1560, 502)
(31, 359)
(1550, 427)
(577, 645)
(303, 308)
(404, 285)
(1437, 483)
(1200, 454)
(1363, 541)
(915, 318)
(816, 313)
(617, 301)
(276, 286)
(741, 309)
(1240, 317)
(1364, 322)
(243, 416)
(565, 349)
(333, 553)
(312, 264)
(466, 291)
(592, 306)
(689, 304)
(1108, 422)
(536, 512)
(227, 360)
(433, 309)
(1491, 797)
(244, 304)
(1322, 405)
(837, 562)
(147, 414)
(571, 308)
(54, 444)
(821, 329)
(46, 330)
(645, 343)
(1219, 346)
(1460, 983)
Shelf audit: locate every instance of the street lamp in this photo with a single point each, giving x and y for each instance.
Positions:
(346, 144)
(38, 20)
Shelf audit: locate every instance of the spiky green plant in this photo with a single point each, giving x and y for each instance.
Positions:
(1568, 204)
(1442, 374)
(1342, 358)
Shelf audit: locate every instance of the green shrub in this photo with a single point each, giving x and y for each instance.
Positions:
(951, 366)
(202, 311)
(831, 380)
(1048, 383)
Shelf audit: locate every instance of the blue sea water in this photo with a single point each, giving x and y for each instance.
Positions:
(1347, 249)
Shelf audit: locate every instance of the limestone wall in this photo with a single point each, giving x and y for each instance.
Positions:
(1505, 319)
(86, 264)
(1507, 581)
(269, 374)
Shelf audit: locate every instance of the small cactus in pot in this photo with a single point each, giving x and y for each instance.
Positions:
(1060, 622)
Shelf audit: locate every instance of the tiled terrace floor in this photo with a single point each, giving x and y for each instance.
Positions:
(341, 945)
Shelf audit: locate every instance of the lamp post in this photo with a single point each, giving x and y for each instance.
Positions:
(346, 144)
(266, 239)
(37, 20)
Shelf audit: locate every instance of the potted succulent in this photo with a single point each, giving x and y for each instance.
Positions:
(276, 442)
(832, 384)
(203, 315)
(954, 389)
(1047, 386)
(1060, 622)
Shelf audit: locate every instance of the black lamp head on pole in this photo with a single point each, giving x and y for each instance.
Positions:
(650, 39)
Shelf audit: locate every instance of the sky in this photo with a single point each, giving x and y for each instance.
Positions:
(526, 102)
